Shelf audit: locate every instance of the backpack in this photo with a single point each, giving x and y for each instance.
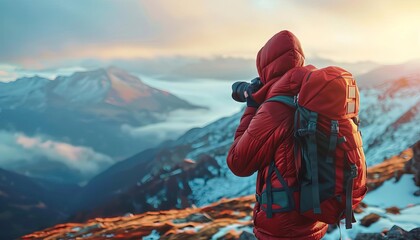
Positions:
(329, 157)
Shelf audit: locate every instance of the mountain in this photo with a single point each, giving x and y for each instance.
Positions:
(87, 109)
(390, 116)
(388, 73)
(157, 178)
(111, 93)
(232, 218)
(29, 204)
(356, 68)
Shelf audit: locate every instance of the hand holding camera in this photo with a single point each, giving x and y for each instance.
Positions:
(242, 91)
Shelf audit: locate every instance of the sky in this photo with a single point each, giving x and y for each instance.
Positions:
(191, 39)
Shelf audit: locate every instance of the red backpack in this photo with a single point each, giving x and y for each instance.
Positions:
(328, 145)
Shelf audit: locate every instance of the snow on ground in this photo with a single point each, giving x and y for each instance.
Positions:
(154, 235)
(237, 227)
(391, 193)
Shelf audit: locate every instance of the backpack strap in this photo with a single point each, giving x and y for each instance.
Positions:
(349, 197)
(268, 192)
(313, 157)
(333, 141)
(282, 196)
(308, 120)
(288, 100)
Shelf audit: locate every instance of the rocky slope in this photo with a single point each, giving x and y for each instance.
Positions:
(231, 218)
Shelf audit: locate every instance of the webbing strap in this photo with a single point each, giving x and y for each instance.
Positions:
(285, 186)
(288, 100)
(268, 192)
(349, 197)
(313, 156)
(279, 197)
(268, 198)
(333, 141)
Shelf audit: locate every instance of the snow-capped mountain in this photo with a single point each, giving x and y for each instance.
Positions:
(390, 117)
(85, 112)
(112, 90)
(28, 90)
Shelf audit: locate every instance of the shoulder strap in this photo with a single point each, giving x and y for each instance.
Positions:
(288, 100)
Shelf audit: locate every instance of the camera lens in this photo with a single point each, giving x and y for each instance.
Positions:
(238, 89)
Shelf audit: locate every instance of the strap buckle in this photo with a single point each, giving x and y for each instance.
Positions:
(311, 129)
(353, 171)
(334, 127)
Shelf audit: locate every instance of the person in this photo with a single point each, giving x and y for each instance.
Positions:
(265, 134)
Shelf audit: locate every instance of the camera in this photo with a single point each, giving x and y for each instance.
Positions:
(238, 89)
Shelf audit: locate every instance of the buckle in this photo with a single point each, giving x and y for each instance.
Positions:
(311, 129)
(353, 171)
(334, 127)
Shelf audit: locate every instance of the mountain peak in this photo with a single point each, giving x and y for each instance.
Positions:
(108, 87)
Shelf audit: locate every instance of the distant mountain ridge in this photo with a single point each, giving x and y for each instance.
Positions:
(104, 88)
(388, 73)
(86, 109)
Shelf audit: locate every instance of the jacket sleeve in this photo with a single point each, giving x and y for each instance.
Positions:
(256, 138)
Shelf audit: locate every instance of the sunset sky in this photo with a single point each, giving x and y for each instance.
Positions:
(47, 35)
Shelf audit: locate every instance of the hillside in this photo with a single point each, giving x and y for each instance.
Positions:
(28, 204)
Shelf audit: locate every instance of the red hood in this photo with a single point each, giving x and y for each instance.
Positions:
(280, 54)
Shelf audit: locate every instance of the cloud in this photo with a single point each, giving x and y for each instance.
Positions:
(182, 68)
(216, 95)
(178, 122)
(38, 33)
(179, 68)
(8, 73)
(18, 148)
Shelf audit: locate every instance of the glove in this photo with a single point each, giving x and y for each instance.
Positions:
(253, 87)
(250, 102)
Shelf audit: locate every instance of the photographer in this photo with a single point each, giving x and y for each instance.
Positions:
(266, 135)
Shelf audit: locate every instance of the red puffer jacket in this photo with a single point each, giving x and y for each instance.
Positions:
(266, 134)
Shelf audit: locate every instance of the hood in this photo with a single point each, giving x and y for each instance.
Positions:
(280, 54)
